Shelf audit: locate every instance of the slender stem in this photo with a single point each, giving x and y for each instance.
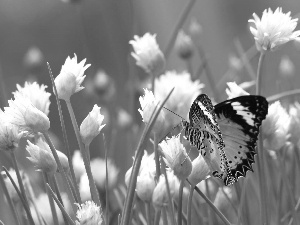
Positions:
(210, 215)
(21, 185)
(157, 216)
(61, 170)
(66, 144)
(213, 207)
(9, 200)
(282, 95)
(106, 182)
(190, 68)
(164, 216)
(85, 155)
(152, 82)
(60, 205)
(51, 202)
(189, 209)
(179, 25)
(26, 207)
(260, 158)
(179, 210)
(148, 213)
(93, 187)
(156, 156)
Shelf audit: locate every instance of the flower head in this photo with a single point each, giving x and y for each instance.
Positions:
(235, 90)
(147, 53)
(37, 95)
(276, 127)
(145, 185)
(184, 45)
(70, 78)
(200, 171)
(42, 159)
(149, 104)
(89, 214)
(183, 95)
(273, 29)
(23, 114)
(9, 134)
(98, 168)
(176, 157)
(78, 164)
(33, 59)
(91, 125)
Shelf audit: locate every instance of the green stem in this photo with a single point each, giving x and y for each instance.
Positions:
(9, 200)
(189, 209)
(60, 205)
(213, 207)
(282, 95)
(60, 168)
(156, 156)
(148, 214)
(164, 215)
(51, 202)
(157, 216)
(178, 26)
(152, 82)
(106, 182)
(66, 144)
(260, 158)
(179, 210)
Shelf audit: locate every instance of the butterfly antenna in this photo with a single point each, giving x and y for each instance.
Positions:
(174, 113)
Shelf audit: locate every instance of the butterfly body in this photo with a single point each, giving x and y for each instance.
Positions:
(226, 134)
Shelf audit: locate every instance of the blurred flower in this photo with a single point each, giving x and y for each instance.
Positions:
(183, 95)
(276, 127)
(104, 85)
(78, 164)
(22, 113)
(235, 63)
(145, 185)
(234, 90)
(124, 119)
(37, 94)
(44, 209)
(200, 171)
(273, 29)
(63, 161)
(9, 134)
(91, 125)
(160, 194)
(176, 157)
(70, 78)
(148, 104)
(89, 214)
(84, 188)
(294, 128)
(98, 168)
(247, 84)
(286, 67)
(195, 30)
(184, 45)
(222, 196)
(42, 159)
(33, 59)
(148, 54)
(10, 188)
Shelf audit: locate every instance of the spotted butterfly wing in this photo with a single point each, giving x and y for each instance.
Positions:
(226, 134)
(239, 120)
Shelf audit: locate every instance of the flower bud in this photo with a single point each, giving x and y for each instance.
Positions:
(184, 45)
(286, 67)
(64, 161)
(91, 125)
(144, 186)
(65, 85)
(199, 172)
(42, 159)
(78, 164)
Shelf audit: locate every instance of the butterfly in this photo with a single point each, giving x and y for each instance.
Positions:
(226, 134)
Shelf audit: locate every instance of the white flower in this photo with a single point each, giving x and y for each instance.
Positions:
(23, 114)
(224, 197)
(147, 53)
(33, 58)
(276, 127)
(78, 164)
(176, 157)
(99, 173)
(148, 105)
(42, 159)
(184, 45)
(71, 74)
(9, 134)
(37, 94)
(234, 90)
(89, 214)
(181, 98)
(91, 125)
(286, 67)
(200, 171)
(84, 188)
(145, 185)
(273, 29)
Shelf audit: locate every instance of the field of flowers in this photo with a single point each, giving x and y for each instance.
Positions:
(164, 141)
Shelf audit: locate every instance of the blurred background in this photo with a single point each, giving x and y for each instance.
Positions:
(34, 32)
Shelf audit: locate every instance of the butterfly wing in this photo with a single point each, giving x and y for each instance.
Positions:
(239, 120)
